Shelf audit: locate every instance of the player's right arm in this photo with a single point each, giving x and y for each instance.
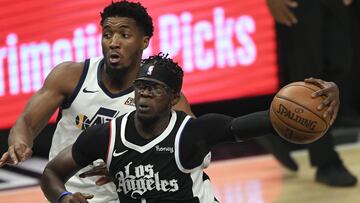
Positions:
(59, 84)
(56, 173)
(92, 144)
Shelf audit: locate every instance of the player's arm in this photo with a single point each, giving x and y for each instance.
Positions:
(91, 145)
(250, 126)
(203, 133)
(55, 175)
(217, 128)
(183, 105)
(59, 84)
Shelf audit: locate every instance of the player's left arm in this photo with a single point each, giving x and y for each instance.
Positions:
(237, 129)
(200, 135)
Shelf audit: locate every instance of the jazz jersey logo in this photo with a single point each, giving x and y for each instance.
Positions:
(103, 115)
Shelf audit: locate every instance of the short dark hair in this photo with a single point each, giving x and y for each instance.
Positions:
(164, 69)
(132, 10)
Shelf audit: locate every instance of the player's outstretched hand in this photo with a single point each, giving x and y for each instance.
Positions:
(16, 153)
(332, 101)
(99, 170)
(76, 198)
(281, 11)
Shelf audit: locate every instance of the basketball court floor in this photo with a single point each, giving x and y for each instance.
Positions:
(258, 179)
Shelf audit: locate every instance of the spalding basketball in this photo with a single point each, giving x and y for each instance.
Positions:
(294, 114)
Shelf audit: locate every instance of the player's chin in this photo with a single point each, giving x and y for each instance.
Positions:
(146, 116)
(116, 65)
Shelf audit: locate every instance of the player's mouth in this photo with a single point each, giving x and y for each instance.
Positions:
(114, 58)
(143, 108)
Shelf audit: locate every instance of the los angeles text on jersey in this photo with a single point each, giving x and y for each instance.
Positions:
(143, 179)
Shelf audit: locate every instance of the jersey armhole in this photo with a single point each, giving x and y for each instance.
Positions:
(178, 150)
(67, 103)
(112, 136)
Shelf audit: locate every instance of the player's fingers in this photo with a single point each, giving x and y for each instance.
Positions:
(83, 197)
(285, 16)
(103, 181)
(4, 159)
(80, 197)
(332, 111)
(318, 93)
(328, 112)
(22, 152)
(13, 155)
(310, 80)
(325, 103)
(96, 171)
(277, 11)
(4, 156)
(19, 150)
(334, 115)
(27, 154)
(291, 3)
(87, 195)
(91, 173)
(315, 81)
(290, 16)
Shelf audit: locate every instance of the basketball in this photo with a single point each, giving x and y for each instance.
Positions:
(294, 114)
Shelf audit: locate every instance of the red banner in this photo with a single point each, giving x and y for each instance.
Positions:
(226, 48)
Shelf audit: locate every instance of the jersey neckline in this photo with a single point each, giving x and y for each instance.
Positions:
(153, 142)
(103, 87)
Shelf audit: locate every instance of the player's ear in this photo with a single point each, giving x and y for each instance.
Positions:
(146, 41)
(175, 99)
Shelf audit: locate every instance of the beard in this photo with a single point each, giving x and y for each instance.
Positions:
(116, 73)
(112, 70)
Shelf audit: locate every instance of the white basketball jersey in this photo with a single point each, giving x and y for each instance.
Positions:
(90, 104)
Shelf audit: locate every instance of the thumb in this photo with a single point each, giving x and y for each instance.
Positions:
(87, 195)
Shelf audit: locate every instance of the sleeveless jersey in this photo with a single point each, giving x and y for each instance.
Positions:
(152, 172)
(90, 104)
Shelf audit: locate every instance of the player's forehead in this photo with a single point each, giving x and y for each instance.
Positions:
(119, 22)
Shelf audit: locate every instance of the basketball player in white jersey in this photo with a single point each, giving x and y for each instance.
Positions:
(88, 93)
(154, 154)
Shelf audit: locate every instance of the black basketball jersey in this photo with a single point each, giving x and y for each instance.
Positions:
(169, 167)
(150, 170)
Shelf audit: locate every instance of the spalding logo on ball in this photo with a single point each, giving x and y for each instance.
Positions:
(294, 114)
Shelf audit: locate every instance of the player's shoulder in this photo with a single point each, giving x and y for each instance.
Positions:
(181, 114)
(129, 117)
(67, 71)
(64, 77)
(69, 67)
(73, 68)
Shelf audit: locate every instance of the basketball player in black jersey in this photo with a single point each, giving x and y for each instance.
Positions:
(154, 154)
